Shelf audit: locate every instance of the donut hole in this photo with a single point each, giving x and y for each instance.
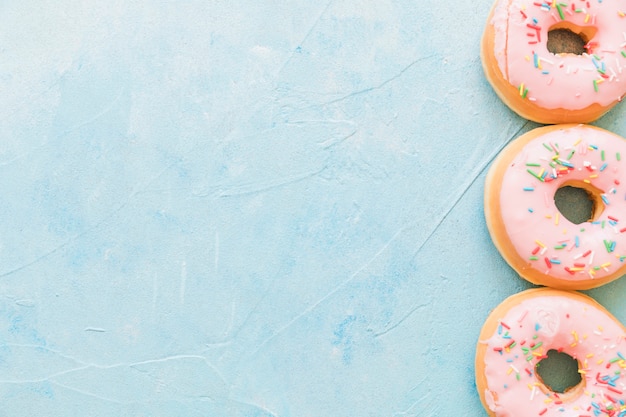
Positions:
(579, 202)
(558, 372)
(567, 38)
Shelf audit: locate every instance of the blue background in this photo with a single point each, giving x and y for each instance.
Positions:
(244, 208)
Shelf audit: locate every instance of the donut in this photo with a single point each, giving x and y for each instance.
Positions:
(529, 327)
(531, 55)
(523, 219)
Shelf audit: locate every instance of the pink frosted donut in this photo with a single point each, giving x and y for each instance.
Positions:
(518, 335)
(526, 226)
(552, 87)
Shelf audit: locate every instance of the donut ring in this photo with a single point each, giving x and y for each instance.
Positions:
(556, 88)
(521, 331)
(528, 229)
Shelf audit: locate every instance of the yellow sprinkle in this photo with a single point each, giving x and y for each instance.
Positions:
(593, 176)
(548, 216)
(556, 220)
(620, 13)
(589, 355)
(540, 244)
(575, 334)
(599, 362)
(578, 141)
(587, 18)
(576, 269)
(605, 265)
(587, 181)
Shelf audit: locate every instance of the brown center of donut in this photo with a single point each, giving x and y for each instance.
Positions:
(558, 372)
(579, 202)
(567, 38)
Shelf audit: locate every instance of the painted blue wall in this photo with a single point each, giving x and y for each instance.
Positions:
(243, 208)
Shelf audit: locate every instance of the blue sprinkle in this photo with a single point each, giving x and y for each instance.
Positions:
(603, 167)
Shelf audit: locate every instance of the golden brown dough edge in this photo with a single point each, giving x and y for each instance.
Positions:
(495, 223)
(491, 324)
(509, 94)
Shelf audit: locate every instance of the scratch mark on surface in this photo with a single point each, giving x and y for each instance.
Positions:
(217, 250)
(155, 293)
(470, 180)
(88, 230)
(95, 329)
(183, 281)
(334, 142)
(399, 322)
(255, 188)
(328, 295)
(87, 393)
(256, 406)
(419, 407)
(304, 38)
(382, 84)
(25, 303)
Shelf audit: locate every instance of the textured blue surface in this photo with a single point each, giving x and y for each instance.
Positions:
(244, 208)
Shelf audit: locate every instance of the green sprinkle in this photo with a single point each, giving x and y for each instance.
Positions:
(548, 147)
(538, 345)
(595, 85)
(602, 154)
(558, 7)
(624, 54)
(534, 174)
(570, 155)
(532, 164)
(618, 156)
(533, 258)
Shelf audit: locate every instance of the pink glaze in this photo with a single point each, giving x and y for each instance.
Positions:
(551, 244)
(551, 322)
(565, 81)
